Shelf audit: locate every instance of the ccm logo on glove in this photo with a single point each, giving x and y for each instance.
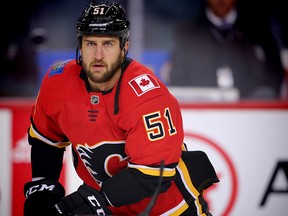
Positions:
(38, 188)
(92, 199)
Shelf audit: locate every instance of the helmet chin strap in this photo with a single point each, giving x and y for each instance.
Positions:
(78, 56)
(116, 99)
(125, 53)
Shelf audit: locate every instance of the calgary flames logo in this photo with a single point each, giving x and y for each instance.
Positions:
(103, 160)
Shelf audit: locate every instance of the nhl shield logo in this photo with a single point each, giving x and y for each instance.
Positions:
(94, 99)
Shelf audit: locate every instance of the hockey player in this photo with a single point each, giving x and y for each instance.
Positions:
(124, 128)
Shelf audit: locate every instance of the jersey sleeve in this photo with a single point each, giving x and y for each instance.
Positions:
(46, 160)
(44, 124)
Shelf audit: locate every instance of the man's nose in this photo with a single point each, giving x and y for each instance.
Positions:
(98, 52)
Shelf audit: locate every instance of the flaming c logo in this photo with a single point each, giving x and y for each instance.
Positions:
(221, 196)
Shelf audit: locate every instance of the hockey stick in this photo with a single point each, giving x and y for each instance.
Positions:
(151, 204)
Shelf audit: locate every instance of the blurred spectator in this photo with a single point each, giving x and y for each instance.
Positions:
(18, 75)
(228, 48)
(279, 24)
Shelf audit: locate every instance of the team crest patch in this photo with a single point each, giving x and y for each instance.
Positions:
(143, 84)
(58, 68)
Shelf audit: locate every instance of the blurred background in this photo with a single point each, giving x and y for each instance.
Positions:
(225, 60)
(44, 32)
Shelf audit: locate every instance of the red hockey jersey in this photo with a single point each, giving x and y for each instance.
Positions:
(145, 130)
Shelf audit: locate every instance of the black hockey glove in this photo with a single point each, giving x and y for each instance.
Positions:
(41, 196)
(85, 200)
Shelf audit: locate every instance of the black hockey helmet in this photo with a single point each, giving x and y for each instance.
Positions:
(104, 19)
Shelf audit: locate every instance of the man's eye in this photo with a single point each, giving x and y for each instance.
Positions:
(108, 44)
(90, 44)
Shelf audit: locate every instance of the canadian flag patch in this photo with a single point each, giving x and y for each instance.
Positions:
(143, 84)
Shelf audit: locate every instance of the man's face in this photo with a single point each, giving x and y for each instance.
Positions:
(101, 57)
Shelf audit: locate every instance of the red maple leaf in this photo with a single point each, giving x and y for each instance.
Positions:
(144, 82)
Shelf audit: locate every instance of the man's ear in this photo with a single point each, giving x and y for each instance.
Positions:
(126, 47)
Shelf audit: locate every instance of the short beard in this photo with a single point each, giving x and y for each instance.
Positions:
(106, 76)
